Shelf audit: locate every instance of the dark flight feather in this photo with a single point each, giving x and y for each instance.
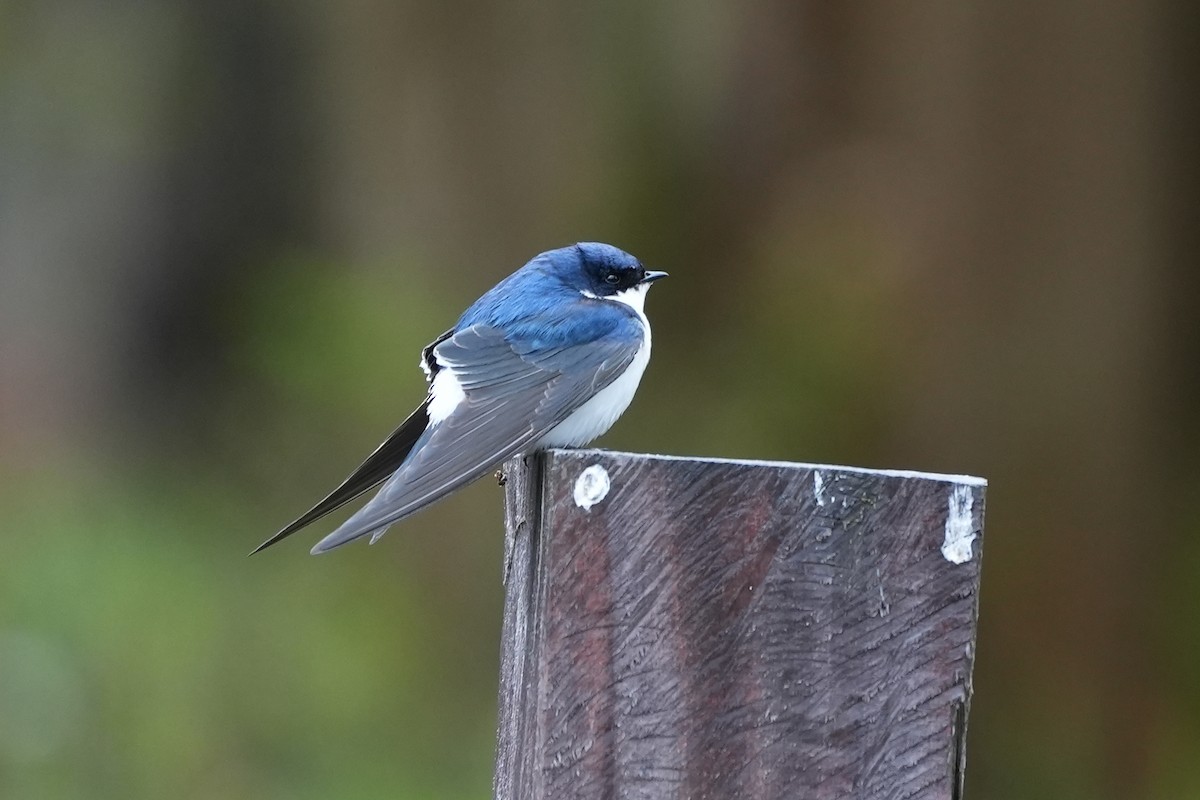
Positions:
(386, 459)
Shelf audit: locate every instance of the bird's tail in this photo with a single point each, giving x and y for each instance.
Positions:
(386, 459)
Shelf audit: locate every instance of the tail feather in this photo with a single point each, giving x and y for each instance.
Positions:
(386, 459)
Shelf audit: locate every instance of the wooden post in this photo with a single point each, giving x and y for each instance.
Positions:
(690, 628)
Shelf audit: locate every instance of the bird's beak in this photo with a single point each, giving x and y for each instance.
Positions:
(652, 275)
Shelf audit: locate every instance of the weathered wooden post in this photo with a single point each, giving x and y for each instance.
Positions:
(689, 628)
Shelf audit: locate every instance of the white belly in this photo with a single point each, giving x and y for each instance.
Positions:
(597, 415)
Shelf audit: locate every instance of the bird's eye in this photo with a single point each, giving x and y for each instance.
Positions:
(612, 279)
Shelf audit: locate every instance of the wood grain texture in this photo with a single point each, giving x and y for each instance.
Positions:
(715, 629)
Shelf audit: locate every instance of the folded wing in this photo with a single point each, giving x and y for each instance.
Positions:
(515, 391)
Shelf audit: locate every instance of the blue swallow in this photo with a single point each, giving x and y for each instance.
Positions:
(549, 357)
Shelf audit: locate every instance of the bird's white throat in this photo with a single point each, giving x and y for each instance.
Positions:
(634, 297)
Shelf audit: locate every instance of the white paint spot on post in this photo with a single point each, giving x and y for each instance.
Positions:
(819, 487)
(591, 486)
(959, 528)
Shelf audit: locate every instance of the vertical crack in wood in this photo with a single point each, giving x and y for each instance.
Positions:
(512, 526)
(520, 643)
(958, 764)
(531, 784)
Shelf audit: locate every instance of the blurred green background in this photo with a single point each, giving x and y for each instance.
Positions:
(961, 236)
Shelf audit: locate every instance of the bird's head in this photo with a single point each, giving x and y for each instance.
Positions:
(601, 270)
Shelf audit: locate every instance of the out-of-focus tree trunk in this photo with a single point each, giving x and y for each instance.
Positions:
(150, 153)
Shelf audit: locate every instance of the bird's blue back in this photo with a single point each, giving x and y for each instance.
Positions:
(541, 304)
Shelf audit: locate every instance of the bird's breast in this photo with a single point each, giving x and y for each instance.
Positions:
(598, 414)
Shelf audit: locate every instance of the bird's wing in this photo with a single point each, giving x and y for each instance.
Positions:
(515, 391)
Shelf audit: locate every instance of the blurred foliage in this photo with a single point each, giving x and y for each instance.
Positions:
(143, 655)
